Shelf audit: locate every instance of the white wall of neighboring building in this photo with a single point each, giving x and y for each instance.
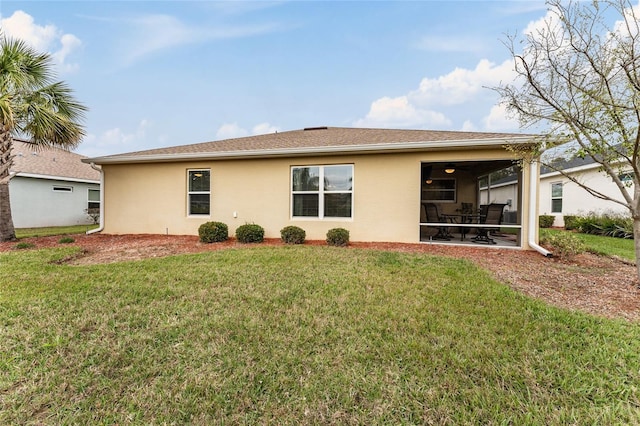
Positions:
(576, 200)
(503, 194)
(35, 203)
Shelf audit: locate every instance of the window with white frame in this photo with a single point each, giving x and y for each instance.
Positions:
(198, 192)
(556, 197)
(93, 199)
(322, 191)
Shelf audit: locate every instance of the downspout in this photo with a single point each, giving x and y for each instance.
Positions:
(533, 207)
(101, 226)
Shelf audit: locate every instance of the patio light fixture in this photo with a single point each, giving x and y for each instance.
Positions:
(449, 168)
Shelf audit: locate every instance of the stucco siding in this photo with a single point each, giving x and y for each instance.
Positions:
(152, 198)
(34, 203)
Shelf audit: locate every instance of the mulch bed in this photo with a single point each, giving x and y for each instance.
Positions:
(598, 285)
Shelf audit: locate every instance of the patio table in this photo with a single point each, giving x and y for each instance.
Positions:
(464, 219)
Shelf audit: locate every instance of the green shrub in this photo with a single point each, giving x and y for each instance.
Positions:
(563, 244)
(23, 245)
(608, 224)
(250, 233)
(546, 220)
(66, 240)
(292, 235)
(213, 232)
(571, 222)
(338, 237)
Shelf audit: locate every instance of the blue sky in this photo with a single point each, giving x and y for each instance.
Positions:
(163, 73)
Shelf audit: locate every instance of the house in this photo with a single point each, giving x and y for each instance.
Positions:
(51, 187)
(373, 182)
(559, 196)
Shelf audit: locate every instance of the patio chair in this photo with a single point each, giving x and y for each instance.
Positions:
(493, 216)
(432, 215)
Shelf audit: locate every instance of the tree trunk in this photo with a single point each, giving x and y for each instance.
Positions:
(636, 243)
(7, 231)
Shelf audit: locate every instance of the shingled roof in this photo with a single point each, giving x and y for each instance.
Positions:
(319, 141)
(54, 163)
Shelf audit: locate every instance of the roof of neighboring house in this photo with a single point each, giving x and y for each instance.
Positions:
(560, 163)
(320, 141)
(55, 163)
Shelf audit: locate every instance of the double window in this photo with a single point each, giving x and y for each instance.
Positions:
(322, 191)
(556, 197)
(439, 190)
(199, 192)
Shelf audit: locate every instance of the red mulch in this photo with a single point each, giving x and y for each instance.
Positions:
(594, 284)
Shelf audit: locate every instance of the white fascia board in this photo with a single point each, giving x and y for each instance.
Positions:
(60, 178)
(321, 150)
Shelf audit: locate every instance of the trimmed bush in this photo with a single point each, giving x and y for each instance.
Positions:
(250, 233)
(23, 246)
(546, 220)
(338, 237)
(571, 222)
(292, 235)
(66, 240)
(563, 244)
(213, 232)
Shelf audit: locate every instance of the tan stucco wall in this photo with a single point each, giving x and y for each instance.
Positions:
(152, 198)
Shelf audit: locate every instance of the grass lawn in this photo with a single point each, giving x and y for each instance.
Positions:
(53, 230)
(299, 335)
(607, 246)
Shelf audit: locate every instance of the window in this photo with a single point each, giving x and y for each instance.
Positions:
(199, 192)
(440, 190)
(60, 188)
(93, 200)
(556, 197)
(332, 198)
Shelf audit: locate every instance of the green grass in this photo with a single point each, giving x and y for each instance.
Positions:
(53, 230)
(608, 246)
(299, 335)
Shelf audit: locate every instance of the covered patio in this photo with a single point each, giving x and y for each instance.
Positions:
(457, 206)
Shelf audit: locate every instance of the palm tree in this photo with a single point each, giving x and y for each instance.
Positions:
(32, 105)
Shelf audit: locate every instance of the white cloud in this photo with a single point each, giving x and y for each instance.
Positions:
(47, 38)
(398, 112)
(230, 131)
(153, 33)
(114, 140)
(423, 107)
(233, 130)
(264, 128)
(461, 85)
(499, 120)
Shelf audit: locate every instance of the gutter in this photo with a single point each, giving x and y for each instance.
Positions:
(533, 207)
(308, 151)
(100, 228)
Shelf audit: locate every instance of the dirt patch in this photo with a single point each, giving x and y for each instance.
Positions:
(594, 284)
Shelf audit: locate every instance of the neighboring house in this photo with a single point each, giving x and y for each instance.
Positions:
(51, 187)
(559, 196)
(373, 182)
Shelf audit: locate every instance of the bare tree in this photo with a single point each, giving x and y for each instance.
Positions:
(578, 79)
